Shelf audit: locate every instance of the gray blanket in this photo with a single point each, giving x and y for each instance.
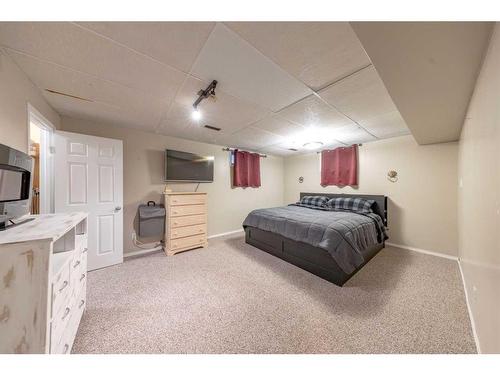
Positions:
(345, 235)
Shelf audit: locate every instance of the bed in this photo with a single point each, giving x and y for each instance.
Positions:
(315, 240)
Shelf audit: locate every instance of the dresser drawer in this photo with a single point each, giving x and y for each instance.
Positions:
(187, 210)
(83, 264)
(80, 282)
(184, 221)
(79, 264)
(188, 231)
(65, 324)
(59, 326)
(187, 242)
(81, 298)
(179, 200)
(81, 242)
(63, 346)
(61, 289)
(76, 262)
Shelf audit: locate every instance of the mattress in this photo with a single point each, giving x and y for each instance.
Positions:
(345, 235)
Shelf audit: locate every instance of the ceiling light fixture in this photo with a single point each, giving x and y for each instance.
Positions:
(312, 145)
(196, 115)
(209, 92)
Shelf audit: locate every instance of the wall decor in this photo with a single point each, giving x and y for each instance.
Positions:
(392, 176)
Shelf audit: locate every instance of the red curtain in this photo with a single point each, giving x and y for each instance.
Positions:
(340, 166)
(246, 169)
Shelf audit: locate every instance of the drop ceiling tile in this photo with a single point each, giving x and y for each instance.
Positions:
(251, 138)
(277, 150)
(174, 43)
(178, 117)
(277, 125)
(317, 53)
(386, 125)
(54, 77)
(397, 134)
(312, 111)
(329, 146)
(364, 98)
(227, 112)
(290, 148)
(244, 72)
(194, 132)
(72, 46)
(350, 134)
(311, 134)
(180, 124)
(98, 112)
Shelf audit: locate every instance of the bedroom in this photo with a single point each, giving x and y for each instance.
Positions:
(249, 187)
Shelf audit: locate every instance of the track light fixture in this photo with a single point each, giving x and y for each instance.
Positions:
(209, 92)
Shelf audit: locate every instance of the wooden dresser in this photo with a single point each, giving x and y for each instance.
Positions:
(43, 264)
(186, 221)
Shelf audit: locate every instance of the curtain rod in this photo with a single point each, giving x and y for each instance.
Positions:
(232, 149)
(359, 144)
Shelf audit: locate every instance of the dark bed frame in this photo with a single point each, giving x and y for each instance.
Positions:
(314, 259)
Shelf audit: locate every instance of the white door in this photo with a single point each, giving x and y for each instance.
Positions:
(89, 177)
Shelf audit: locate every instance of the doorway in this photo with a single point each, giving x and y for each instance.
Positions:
(40, 132)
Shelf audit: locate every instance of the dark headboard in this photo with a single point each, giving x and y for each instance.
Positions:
(380, 206)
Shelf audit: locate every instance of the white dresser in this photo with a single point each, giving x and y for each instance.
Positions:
(43, 274)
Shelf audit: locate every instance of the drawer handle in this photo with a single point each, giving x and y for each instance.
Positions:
(200, 230)
(175, 233)
(85, 250)
(201, 240)
(82, 277)
(65, 284)
(175, 223)
(66, 347)
(174, 200)
(175, 212)
(76, 264)
(82, 302)
(66, 312)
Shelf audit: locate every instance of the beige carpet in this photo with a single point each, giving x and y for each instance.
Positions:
(234, 298)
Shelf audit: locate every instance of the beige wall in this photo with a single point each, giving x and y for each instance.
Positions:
(422, 203)
(479, 200)
(16, 91)
(143, 164)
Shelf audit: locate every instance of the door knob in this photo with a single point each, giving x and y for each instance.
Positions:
(118, 208)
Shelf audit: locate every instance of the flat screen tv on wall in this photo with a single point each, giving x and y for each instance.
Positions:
(186, 167)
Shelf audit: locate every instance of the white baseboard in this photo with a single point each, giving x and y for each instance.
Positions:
(142, 252)
(147, 251)
(469, 309)
(423, 251)
(225, 234)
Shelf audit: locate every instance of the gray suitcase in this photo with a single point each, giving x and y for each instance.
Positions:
(151, 219)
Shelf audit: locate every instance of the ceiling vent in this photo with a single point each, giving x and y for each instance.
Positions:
(293, 149)
(212, 128)
(68, 95)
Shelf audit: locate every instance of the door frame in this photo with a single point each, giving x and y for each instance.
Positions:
(46, 157)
